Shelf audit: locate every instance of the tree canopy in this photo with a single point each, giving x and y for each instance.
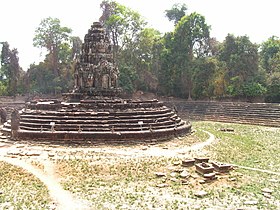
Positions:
(176, 12)
(10, 69)
(185, 62)
(54, 38)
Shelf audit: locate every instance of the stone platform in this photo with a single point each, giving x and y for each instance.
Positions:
(103, 120)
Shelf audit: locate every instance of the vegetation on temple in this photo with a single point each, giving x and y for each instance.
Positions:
(186, 62)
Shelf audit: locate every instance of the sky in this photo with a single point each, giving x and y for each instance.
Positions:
(19, 19)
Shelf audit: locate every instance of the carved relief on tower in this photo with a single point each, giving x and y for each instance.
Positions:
(95, 68)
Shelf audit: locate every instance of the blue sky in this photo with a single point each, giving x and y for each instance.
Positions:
(19, 19)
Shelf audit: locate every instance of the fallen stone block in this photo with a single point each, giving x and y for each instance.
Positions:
(204, 168)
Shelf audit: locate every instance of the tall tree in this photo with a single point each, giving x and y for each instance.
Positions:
(10, 67)
(270, 62)
(191, 41)
(53, 37)
(142, 57)
(122, 23)
(241, 58)
(270, 55)
(176, 12)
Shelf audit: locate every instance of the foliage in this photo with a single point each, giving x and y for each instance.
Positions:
(273, 88)
(9, 69)
(133, 46)
(204, 71)
(176, 12)
(186, 62)
(253, 89)
(54, 74)
(241, 59)
(188, 43)
(122, 24)
(54, 38)
(270, 55)
(127, 78)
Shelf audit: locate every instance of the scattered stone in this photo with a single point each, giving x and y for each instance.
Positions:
(160, 174)
(51, 154)
(274, 180)
(267, 195)
(195, 176)
(196, 207)
(20, 146)
(32, 153)
(173, 174)
(174, 179)
(177, 170)
(221, 167)
(238, 174)
(185, 174)
(188, 162)
(201, 193)
(14, 152)
(165, 147)
(210, 176)
(204, 168)
(201, 181)
(232, 179)
(252, 202)
(185, 182)
(176, 163)
(267, 190)
(162, 185)
(201, 160)
(144, 148)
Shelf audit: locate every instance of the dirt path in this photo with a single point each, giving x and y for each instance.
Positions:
(62, 199)
(159, 151)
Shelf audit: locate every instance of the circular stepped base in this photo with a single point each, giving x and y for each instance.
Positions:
(106, 121)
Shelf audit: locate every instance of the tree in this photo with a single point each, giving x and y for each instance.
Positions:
(176, 12)
(122, 23)
(273, 88)
(54, 38)
(270, 55)
(203, 76)
(241, 60)
(10, 69)
(143, 58)
(191, 41)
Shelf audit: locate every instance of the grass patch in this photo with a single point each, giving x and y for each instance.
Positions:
(21, 190)
(247, 145)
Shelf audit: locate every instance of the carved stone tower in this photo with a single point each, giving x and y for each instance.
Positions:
(95, 70)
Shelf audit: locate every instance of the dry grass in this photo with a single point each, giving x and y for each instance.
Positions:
(21, 190)
(123, 177)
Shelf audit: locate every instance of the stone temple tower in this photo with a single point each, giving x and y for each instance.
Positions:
(94, 111)
(95, 72)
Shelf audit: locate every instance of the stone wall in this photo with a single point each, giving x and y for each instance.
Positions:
(267, 114)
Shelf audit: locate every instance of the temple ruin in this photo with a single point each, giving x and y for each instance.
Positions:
(94, 110)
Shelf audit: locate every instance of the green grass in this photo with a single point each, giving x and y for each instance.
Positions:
(20, 190)
(250, 146)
